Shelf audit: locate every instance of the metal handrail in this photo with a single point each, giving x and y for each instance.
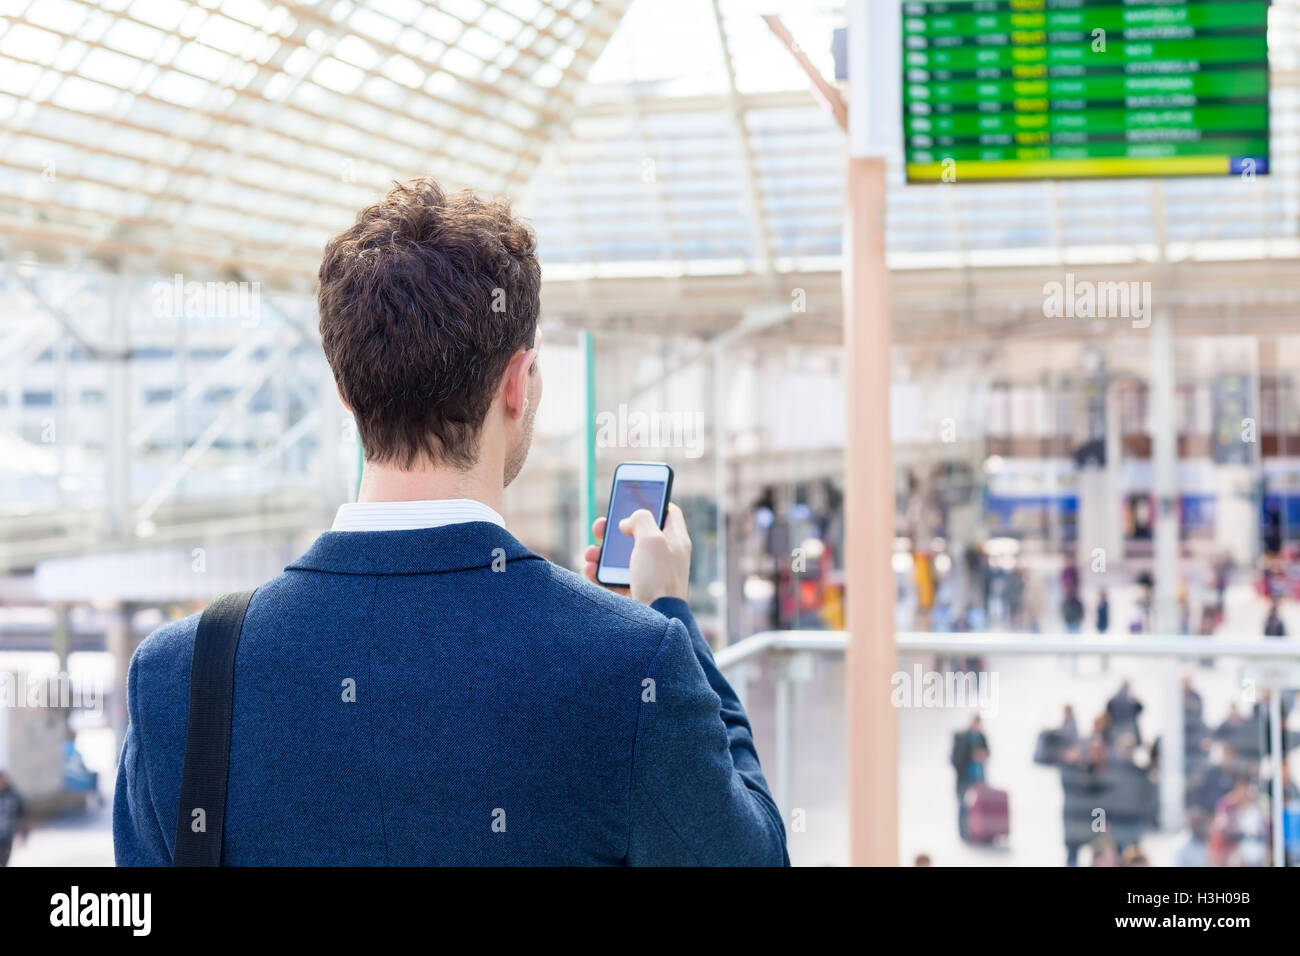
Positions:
(1173, 645)
(763, 641)
(1008, 643)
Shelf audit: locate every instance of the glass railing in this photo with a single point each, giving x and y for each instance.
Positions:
(1033, 783)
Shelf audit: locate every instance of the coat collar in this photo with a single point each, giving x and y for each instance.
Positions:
(453, 547)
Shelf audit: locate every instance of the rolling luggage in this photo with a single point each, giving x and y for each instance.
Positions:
(1047, 751)
(987, 814)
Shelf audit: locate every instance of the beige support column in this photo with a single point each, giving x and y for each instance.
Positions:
(869, 523)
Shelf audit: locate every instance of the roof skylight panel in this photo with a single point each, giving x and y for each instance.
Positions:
(547, 75)
(301, 125)
(515, 113)
(405, 130)
(459, 62)
(563, 28)
(497, 23)
(507, 56)
(544, 46)
(134, 38)
(563, 57)
(357, 52)
(85, 96)
(431, 53)
(125, 174)
(434, 23)
(400, 69)
(442, 84)
(299, 61)
(467, 10)
(249, 11)
(192, 21)
(62, 16)
(31, 44)
(524, 38)
(404, 11)
(414, 44)
(368, 23)
(523, 10)
(203, 62)
(165, 14)
(336, 75)
(432, 113)
(226, 34)
(479, 44)
(383, 93)
(344, 139)
(221, 219)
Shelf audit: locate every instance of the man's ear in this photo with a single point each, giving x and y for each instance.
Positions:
(514, 387)
(342, 401)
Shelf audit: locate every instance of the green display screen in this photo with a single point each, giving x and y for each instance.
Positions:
(1063, 89)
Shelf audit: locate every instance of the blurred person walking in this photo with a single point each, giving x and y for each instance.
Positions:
(969, 748)
(1239, 835)
(1053, 743)
(1123, 710)
(1243, 734)
(1130, 798)
(1196, 851)
(1273, 624)
(1072, 613)
(13, 823)
(1069, 729)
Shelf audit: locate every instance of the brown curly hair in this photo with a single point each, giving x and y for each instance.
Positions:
(423, 301)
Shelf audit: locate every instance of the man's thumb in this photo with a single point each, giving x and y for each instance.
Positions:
(637, 523)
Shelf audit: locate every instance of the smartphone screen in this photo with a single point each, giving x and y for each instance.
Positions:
(637, 485)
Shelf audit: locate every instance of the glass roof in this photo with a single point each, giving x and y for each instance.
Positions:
(244, 132)
(644, 137)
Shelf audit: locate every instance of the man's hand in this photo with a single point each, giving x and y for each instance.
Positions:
(661, 559)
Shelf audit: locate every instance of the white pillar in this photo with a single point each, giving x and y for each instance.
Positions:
(118, 451)
(4, 736)
(1279, 765)
(1164, 462)
(121, 646)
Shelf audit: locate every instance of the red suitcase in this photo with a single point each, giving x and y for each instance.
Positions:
(988, 815)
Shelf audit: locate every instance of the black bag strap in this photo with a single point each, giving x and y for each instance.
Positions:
(202, 811)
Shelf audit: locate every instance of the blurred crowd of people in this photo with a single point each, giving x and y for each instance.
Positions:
(972, 590)
(1109, 777)
(1228, 784)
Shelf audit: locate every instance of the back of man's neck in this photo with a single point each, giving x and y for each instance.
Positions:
(381, 483)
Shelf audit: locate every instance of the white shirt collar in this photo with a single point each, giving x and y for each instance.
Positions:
(412, 515)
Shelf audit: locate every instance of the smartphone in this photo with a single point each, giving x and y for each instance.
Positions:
(637, 485)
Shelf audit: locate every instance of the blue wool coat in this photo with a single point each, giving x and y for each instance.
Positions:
(445, 696)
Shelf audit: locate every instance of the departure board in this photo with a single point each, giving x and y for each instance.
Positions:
(1063, 89)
